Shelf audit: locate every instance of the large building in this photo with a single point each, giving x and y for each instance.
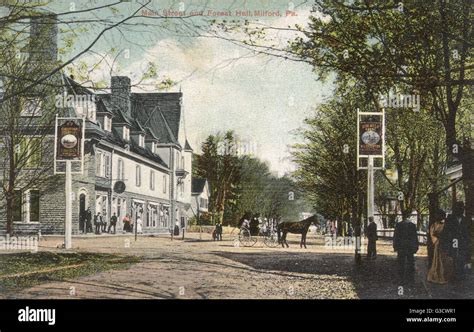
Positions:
(136, 140)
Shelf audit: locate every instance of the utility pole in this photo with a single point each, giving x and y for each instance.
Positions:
(68, 219)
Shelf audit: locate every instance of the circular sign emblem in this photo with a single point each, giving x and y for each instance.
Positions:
(370, 137)
(69, 141)
(119, 187)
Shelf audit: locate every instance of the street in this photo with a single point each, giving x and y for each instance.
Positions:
(194, 269)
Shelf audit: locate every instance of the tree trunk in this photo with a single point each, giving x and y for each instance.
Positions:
(468, 182)
(9, 198)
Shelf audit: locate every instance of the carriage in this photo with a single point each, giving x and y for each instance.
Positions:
(248, 237)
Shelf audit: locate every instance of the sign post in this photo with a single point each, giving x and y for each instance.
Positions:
(68, 148)
(370, 153)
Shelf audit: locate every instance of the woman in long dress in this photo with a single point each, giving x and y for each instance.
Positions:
(442, 266)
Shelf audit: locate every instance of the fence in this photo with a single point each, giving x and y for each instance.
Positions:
(388, 234)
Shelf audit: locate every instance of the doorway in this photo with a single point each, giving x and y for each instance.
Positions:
(82, 212)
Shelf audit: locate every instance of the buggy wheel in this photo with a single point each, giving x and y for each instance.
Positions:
(245, 238)
(271, 240)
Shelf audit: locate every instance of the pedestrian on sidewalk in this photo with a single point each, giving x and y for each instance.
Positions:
(104, 224)
(372, 239)
(139, 226)
(441, 270)
(457, 240)
(98, 223)
(405, 243)
(113, 223)
(88, 227)
(127, 223)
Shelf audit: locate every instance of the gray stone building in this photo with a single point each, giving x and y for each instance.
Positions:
(137, 161)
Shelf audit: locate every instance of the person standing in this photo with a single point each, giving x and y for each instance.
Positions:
(372, 239)
(441, 269)
(126, 223)
(139, 226)
(456, 240)
(405, 243)
(113, 223)
(98, 223)
(104, 224)
(88, 227)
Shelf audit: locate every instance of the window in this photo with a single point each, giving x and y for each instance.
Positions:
(141, 140)
(138, 179)
(32, 107)
(164, 184)
(17, 205)
(34, 205)
(26, 205)
(153, 147)
(107, 165)
(103, 164)
(203, 203)
(28, 152)
(182, 162)
(126, 133)
(107, 123)
(120, 170)
(152, 180)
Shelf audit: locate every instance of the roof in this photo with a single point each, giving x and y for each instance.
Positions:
(187, 146)
(197, 185)
(160, 113)
(105, 106)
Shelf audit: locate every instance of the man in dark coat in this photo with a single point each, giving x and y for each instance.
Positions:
(113, 223)
(88, 226)
(456, 240)
(372, 239)
(405, 243)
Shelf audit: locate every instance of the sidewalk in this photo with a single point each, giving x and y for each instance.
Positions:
(455, 290)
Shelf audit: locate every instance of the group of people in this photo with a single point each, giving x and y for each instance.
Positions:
(451, 243)
(101, 225)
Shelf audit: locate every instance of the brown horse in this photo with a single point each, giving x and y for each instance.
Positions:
(299, 227)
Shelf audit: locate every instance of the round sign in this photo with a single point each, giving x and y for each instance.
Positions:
(69, 141)
(119, 187)
(370, 137)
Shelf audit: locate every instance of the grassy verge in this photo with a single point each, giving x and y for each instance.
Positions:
(22, 270)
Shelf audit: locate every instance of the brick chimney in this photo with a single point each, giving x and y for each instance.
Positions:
(43, 43)
(121, 89)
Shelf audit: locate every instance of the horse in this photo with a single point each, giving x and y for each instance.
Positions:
(299, 227)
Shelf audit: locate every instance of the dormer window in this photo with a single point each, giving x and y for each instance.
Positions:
(153, 147)
(126, 133)
(107, 123)
(141, 140)
(32, 107)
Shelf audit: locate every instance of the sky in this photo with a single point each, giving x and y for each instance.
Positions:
(225, 86)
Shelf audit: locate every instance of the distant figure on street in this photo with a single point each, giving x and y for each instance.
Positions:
(405, 243)
(113, 223)
(139, 226)
(456, 240)
(88, 227)
(98, 223)
(104, 224)
(218, 230)
(372, 239)
(127, 223)
(441, 270)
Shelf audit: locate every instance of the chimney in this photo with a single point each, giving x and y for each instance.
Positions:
(43, 44)
(121, 88)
